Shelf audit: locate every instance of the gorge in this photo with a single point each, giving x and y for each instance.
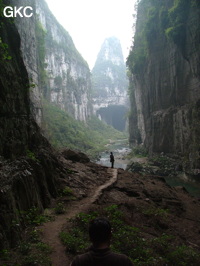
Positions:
(154, 224)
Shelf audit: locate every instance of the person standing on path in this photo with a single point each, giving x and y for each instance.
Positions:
(100, 253)
(112, 159)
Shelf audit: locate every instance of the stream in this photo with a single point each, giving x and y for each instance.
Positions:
(121, 148)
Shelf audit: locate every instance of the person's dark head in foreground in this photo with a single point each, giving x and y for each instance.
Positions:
(100, 253)
(100, 232)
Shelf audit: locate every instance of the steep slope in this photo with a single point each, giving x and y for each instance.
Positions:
(28, 46)
(56, 68)
(165, 79)
(110, 84)
(64, 131)
(29, 169)
(14, 95)
(67, 72)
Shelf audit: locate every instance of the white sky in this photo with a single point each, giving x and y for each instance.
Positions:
(89, 22)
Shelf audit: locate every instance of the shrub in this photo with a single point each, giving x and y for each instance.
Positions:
(59, 209)
(177, 19)
(33, 216)
(129, 240)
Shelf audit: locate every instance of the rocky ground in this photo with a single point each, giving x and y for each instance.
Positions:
(146, 201)
(140, 197)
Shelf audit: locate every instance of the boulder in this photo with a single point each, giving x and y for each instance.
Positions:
(75, 156)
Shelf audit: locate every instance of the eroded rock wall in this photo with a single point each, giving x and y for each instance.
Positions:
(27, 29)
(56, 69)
(165, 82)
(14, 95)
(29, 169)
(68, 83)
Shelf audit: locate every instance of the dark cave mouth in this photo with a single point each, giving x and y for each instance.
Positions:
(114, 115)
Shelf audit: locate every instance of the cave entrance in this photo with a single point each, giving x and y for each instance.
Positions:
(114, 115)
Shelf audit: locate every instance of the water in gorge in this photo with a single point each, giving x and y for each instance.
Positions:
(121, 148)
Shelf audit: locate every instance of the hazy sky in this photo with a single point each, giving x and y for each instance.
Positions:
(89, 22)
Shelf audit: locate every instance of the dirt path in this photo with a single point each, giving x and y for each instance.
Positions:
(52, 229)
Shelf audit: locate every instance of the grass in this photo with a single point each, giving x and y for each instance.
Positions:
(138, 151)
(63, 130)
(130, 240)
(60, 208)
(33, 216)
(30, 251)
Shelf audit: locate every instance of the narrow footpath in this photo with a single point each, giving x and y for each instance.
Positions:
(51, 230)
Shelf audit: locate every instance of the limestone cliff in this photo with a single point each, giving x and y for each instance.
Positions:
(110, 84)
(28, 46)
(165, 79)
(54, 65)
(14, 94)
(28, 166)
(67, 72)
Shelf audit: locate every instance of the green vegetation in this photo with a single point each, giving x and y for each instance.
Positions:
(129, 240)
(139, 52)
(154, 22)
(4, 49)
(157, 21)
(33, 216)
(100, 77)
(67, 191)
(136, 60)
(65, 131)
(30, 250)
(41, 50)
(138, 151)
(40, 37)
(178, 17)
(4, 53)
(162, 213)
(60, 208)
(31, 155)
(35, 253)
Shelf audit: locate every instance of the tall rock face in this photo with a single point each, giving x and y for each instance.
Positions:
(28, 45)
(55, 67)
(14, 95)
(110, 84)
(165, 78)
(29, 169)
(69, 81)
